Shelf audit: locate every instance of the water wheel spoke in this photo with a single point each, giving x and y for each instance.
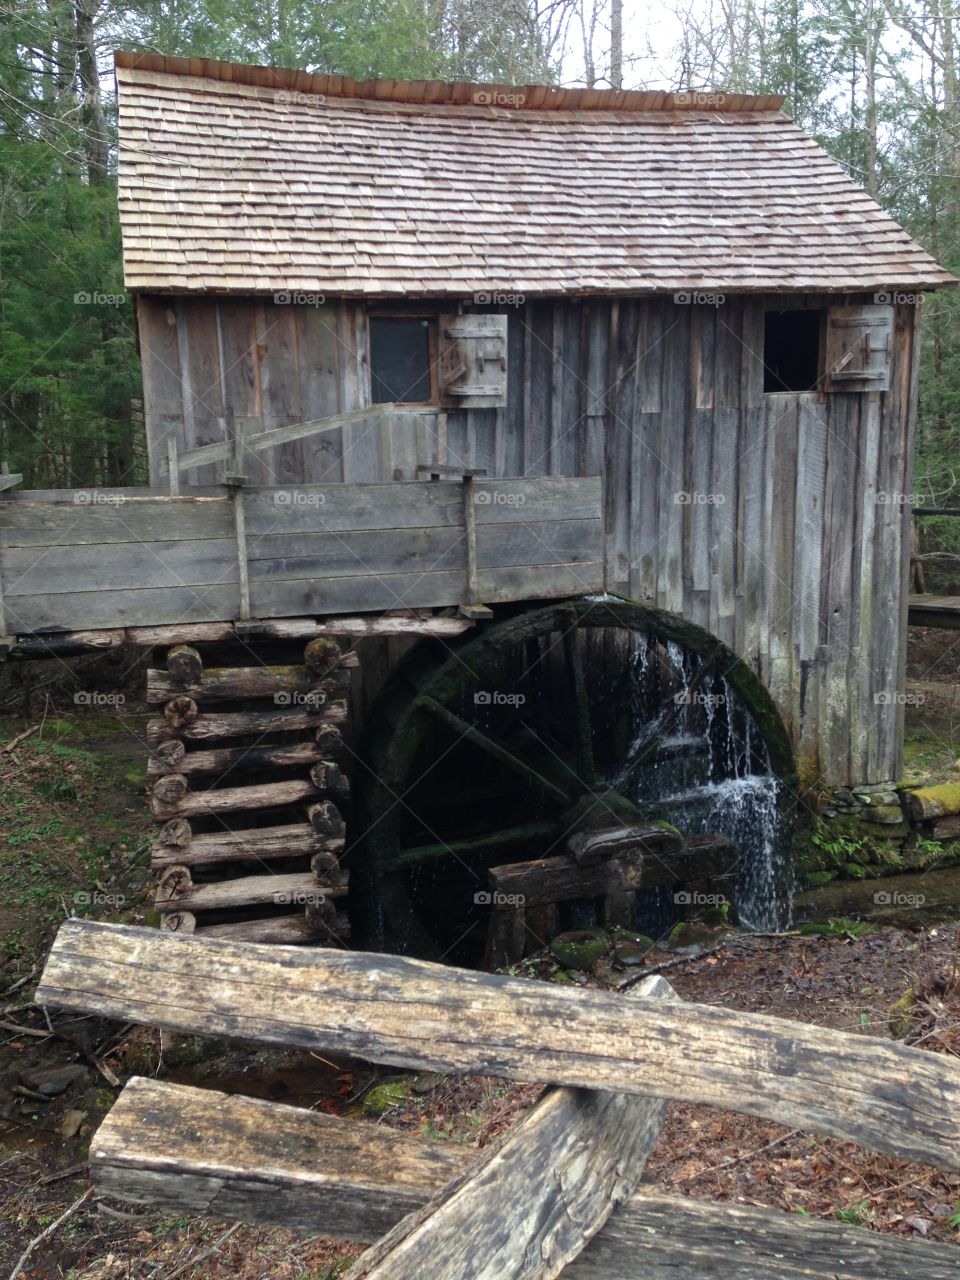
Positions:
(525, 834)
(581, 707)
(487, 743)
(663, 725)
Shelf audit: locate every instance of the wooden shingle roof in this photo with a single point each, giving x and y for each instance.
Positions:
(249, 180)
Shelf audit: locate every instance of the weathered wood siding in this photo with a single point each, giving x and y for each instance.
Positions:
(791, 547)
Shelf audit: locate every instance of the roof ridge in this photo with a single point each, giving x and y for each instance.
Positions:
(536, 97)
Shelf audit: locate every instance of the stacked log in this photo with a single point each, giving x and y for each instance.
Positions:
(257, 860)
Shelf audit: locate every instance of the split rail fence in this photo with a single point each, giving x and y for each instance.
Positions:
(559, 1193)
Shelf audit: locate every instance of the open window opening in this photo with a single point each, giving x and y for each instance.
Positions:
(791, 350)
(401, 359)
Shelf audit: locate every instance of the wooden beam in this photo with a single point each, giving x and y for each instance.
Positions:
(186, 1151)
(296, 840)
(934, 611)
(425, 1016)
(208, 727)
(226, 450)
(176, 892)
(63, 643)
(519, 835)
(189, 804)
(286, 931)
(664, 1237)
(530, 1203)
(223, 760)
(489, 744)
(286, 684)
(8, 479)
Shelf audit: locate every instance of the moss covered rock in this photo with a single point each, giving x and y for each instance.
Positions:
(385, 1097)
(899, 1018)
(934, 802)
(889, 815)
(816, 878)
(581, 948)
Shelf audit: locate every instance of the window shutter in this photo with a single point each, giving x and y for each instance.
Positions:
(859, 347)
(473, 361)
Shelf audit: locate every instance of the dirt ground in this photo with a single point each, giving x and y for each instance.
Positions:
(74, 840)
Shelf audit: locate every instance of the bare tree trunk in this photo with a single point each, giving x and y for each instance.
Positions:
(96, 142)
(616, 44)
(870, 42)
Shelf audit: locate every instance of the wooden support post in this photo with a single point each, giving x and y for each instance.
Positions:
(173, 464)
(506, 936)
(240, 533)
(235, 480)
(531, 1202)
(443, 455)
(470, 538)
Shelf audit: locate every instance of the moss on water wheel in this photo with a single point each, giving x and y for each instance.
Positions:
(479, 753)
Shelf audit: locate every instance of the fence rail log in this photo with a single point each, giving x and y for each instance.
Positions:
(530, 1203)
(195, 1151)
(425, 1016)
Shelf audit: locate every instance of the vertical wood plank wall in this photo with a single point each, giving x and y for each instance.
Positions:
(791, 546)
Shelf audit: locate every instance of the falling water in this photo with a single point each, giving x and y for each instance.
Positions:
(711, 773)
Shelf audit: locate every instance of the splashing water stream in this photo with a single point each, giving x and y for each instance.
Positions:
(712, 773)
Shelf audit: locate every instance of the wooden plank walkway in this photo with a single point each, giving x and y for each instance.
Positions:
(935, 611)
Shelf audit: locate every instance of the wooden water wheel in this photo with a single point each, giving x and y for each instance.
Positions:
(544, 725)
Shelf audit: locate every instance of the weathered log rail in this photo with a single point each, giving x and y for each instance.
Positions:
(542, 1201)
(195, 1151)
(874, 1092)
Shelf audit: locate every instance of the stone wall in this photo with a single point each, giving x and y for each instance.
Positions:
(869, 831)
